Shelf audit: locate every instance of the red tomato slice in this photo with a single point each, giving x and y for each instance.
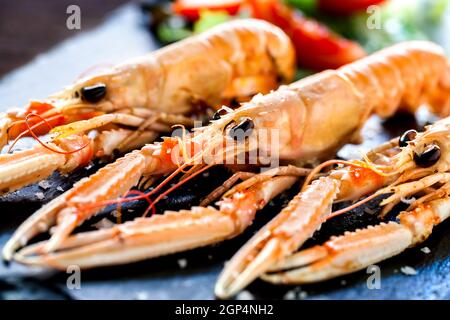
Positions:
(345, 7)
(191, 9)
(317, 47)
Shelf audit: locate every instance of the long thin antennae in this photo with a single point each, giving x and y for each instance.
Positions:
(46, 115)
(191, 171)
(146, 197)
(21, 135)
(130, 192)
(325, 164)
(177, 185)
(45, 145)
(139, 197)
(181, 167)
(353, 206)
(168, 179)
(374, 168)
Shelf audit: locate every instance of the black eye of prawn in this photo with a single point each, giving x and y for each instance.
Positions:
(93, 93)
(406, 137)
(242, 129)
(222, 111)
(428, 157)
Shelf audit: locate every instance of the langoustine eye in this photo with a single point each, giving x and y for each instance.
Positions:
(428, 157)
(242, 129)
(93, 93)
(222, 111)
(406, 137)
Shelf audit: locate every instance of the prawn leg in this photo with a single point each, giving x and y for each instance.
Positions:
(357, 250)
(73, 149)
(279, 237)
(158, 235)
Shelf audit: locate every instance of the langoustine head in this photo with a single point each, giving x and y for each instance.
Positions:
(234, 60)
(260, 132)
(120, 87)
(418, 154)
(410, 158)
(415, 167)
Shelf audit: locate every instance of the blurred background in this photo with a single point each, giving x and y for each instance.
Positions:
(326, 33)
(29, 27)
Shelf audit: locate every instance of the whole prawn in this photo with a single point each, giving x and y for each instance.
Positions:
(131, 103)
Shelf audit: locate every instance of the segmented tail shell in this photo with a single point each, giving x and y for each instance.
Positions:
(403, 76)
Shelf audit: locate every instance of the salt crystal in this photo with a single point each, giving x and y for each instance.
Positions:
(295, 293)
(244, 295)
(290, 295)
(425, 250)
(182, 263)
(103, 224)
(44, 184)
(39, 195)
(410, 271)
(115, 213)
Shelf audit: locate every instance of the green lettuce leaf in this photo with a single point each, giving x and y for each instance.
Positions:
(209, 19)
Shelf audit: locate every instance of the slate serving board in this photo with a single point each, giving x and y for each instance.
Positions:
(123, 36)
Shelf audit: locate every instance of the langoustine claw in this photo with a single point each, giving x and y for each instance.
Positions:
(390, 170)
(158, 235)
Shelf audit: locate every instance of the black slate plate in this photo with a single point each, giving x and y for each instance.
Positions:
(120, 37)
